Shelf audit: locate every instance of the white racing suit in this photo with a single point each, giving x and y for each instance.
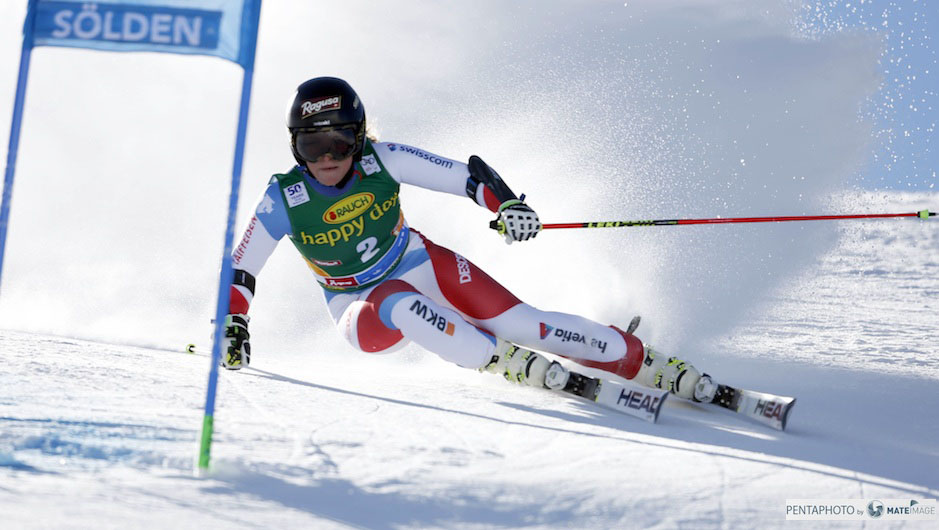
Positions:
(413, 289)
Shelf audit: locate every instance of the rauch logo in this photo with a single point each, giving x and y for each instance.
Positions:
(348, 208)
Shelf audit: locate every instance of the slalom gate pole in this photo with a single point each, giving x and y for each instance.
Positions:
(15, 126)
(924, 214)
(227, 273)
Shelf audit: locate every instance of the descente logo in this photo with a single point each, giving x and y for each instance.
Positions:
(315, 106)
(348, 208)
(463, 267)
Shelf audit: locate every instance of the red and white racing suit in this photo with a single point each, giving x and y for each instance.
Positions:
(434, 296)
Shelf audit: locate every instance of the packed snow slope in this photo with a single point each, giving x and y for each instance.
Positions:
(104, 435)
(597, 111)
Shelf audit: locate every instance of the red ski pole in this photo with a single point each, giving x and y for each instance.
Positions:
(924, 214)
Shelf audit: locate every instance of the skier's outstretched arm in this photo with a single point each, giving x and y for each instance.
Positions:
(258, 241)
(475, 180)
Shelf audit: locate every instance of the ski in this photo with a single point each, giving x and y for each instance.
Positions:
(646, 403)
(627, 398)
(768, 409)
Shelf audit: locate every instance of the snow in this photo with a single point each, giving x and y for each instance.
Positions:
(104, 435)
(652, 109)
(871, 301)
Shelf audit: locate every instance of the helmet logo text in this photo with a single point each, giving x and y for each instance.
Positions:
(315, 106)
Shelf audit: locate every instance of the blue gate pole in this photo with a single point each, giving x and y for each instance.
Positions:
(225, 279)
(18, 103)
(226, 276)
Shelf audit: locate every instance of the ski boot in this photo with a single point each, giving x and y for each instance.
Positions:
(523, 366)
(676, 376)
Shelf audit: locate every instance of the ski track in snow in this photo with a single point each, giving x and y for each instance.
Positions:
(870, 304)
(104, 436)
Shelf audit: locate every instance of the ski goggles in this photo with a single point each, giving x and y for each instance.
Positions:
(339, 143)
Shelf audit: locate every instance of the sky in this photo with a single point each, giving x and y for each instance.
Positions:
(905, 108)
(596, 110)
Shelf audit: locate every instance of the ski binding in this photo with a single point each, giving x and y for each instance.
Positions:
(627, 398)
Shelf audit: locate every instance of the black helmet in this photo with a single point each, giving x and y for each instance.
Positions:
(326, 104)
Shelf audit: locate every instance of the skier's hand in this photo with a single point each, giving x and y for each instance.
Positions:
(237, 348)
(517, 222)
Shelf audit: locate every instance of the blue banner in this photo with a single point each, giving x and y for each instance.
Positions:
(223, 28)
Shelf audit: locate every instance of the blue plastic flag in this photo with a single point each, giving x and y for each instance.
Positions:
(222, 28)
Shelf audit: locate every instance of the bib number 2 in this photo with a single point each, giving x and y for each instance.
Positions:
(368, 247)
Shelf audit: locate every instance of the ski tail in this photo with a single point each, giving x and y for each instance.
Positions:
(768, 409)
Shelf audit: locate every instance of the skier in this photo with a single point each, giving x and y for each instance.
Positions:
(386, 284)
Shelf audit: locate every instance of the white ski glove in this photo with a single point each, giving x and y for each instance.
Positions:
(237, 352)
(517, 222)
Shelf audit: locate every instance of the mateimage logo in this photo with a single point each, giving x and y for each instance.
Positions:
(875, 509)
